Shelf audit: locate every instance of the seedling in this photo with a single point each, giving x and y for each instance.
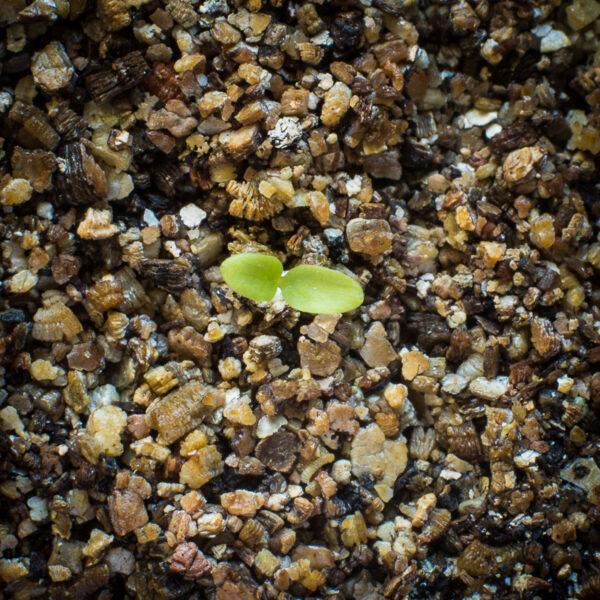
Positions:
(307, 288)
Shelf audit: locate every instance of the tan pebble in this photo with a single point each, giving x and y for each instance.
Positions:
(294, 102)
(564, 531)
(230, 367)
(519, 163)
(336, 104)
(369, 236)
(492, 252)
(224, 33)
(372, 453)
(181, 411)
(542, 232)
(320, 359)
(192, 502)
(425, 504)
(99, 541)
(97, 225)
(52, 68)
(201, 467)
(319, 206)
(106, 425)
(581, 13)
(354, 530)
(437, 183)
(413, 363)
(16, 191)
(127, 511)
(266, 563)
(377, 350)
(137, 426)
(396, 394)
(242, 502)
(545, 340)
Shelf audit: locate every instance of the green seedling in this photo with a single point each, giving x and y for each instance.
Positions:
(307, 288)
(320, 290)
(255, 276)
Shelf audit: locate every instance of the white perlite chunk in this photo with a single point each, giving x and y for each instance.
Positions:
(269, 425)
(341, 470)
(10, 421)
(478, 118)
(354, 185)
(22, 282)
(120, 185)
(551, 40)
(526, 459)
(103, 395)
(230, 367)
(471, 367)
(5, 101)
(150, 219)
(191, 215)
(237, 408)
(489, 389)
(286, 131)
(148, 447)
(38, 510)
(120, 560)
(52, 68)
(493, 130)
(45, 210)
(399, 535)
(454, 383)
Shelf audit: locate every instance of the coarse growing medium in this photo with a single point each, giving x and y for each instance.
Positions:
(162, 437)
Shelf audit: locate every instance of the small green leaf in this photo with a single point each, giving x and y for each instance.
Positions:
(255, 276)
(319, 290)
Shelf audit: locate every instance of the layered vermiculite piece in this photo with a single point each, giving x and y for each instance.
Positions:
(163, 437)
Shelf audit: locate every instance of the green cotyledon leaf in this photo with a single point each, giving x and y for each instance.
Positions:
(255, 276)
(320, 290)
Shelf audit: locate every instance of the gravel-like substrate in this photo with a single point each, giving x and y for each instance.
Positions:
(164, 438)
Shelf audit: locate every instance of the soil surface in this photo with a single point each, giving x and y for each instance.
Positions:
(162, 437)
